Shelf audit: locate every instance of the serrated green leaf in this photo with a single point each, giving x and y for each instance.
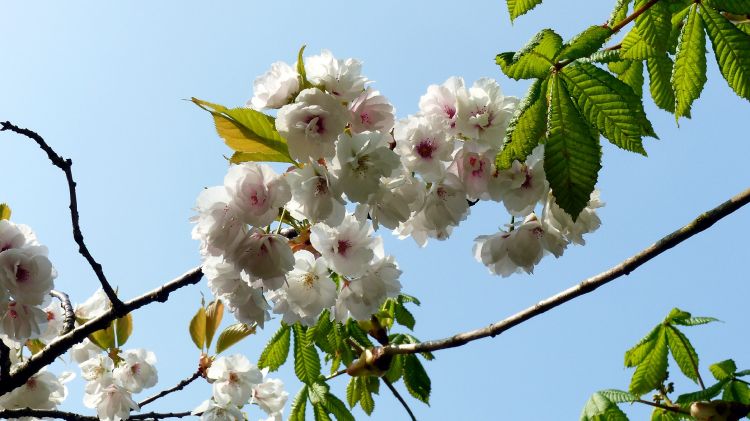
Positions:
(742, 373)
(745, 27)
(404, 317)
(297, 411)
(572, 157)
(736, 391)
(585, 43)
(599, 100)
(123, 329)
(740, 7)
(411, 339)
(320, 412)
(654, 25)
(534, 60)
(602, 56)
(689, 74)
(395, 371)
(634, 47)
(405, 298)
(618, 396)
(5, 211)
(353, 392)
(600, 408)
(683, 353)
(336, 407)
(358, 334)
(317, 392)
(275, 353)
(629, 72)
(416, 380)
(723, 369)
(664, 415)
(652, 371)
(695, 321)
(639, 351)
(526, 128)
(619, 13)
(248, 131)
(365, 396)
(233, 334)
(701, 395)
(659, 76)
(732, 50)
(214, 314)
(517, 8)
(306, 360)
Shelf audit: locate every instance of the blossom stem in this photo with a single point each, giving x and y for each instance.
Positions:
(701, 223)
(66, 166)
(181, 385)
(399, 397)
(69, 321)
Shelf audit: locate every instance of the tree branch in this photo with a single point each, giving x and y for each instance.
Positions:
(66, 166)
(676, 409)
(399, 397)
(179, 387)
(633, 16)
(4, 361)
(69, 322)
(62, 343)
(703, 222)
(72, 416)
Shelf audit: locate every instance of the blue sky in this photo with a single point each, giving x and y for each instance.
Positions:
(104, 83)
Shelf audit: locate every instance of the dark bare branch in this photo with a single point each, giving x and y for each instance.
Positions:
(72, 416)
(69, 321)
(181, 385)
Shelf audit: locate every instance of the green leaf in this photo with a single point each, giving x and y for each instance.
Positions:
(602, 56)
(526, 128)
(654, 25)
(638, 353)
(358, 334)
(233, 334)
(701, 395)
(123, 329)
(5, 211)
(723, 369)
(618, 396)
(275, 353)
(634, 47)
(104, 338)
(695, 321)
(600, 408)
(534, 60)
(416, 380)
(321, 414)
(689, 74)
(411, 339)
(34, 345)
(736, 391)
(745, 27)
(297, 411)
(404, 317)
(740, 7)
(306, 360)
(353, 392)
(572, 156)
(683, 353)
(652, 371)
(214, 314)
(405, 298)
(742, 373)
(585, 43)
(248, 131)
(303, 82)
(619, 13)
(732, 50)
(664, 415)
(602, 104)
(338, 408)
(365, 398)
(318, 392)
(659, 75)
(631, 73)
(517, 8)
(395, 371)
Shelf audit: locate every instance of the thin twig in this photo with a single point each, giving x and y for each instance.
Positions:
(66, 166)
(676, 409)
(72, 416)
(399, 397)
(690, 356)
(703, 222)
(62, 343)
(179, 387)
(69, 321)
(336, 374)
(639, 11)
(4, 361)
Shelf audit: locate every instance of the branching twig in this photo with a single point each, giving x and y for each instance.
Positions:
(66, 166)
(703, 222)
(179, 387)
(676, 409)
(62, 343)
(69, 321)
(72, 416)
(633, 16)
(399, 397)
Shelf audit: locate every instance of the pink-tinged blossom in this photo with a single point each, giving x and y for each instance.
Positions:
(371, 112)
(267, 257)
(16, 236)
(474, 169)
(233, 379)
(136, 371)
(256, 192)
(340, 78)
(84, 351)
(587, 221)
(210, 410)
(43, 391)
(348, 247)
(97, 367)
(395, 200)
(223, 277)
(27, 276)
(112, 402)
(316, 194)
(311, 124)
(308, 290)
(275, 88)
(219, 230)
(363, 296)
(361, 160)
(484, 113)
(440, 102)
(248, 304)
(270, 395)
(55, 319)
(521, 186)
(423, 146)
(21, 322)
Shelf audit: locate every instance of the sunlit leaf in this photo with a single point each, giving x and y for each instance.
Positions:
(233, 334)
(197, 328)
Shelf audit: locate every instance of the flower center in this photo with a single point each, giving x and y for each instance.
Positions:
(22, 275)
(343, 247)
(425, 148)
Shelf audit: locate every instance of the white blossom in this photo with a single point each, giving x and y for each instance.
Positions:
(17, 236)
(347, 247)
(474, 169)
(370, 112)
(484, 113)
(362, 297)
(257, 193)
(27, 276)
(423, 146)
(94, 306)
(588, 221)
(210, 410)
(440, 102)
(113, 403)
(270, 395)
(267, 257)
(248, 305)
(316, 195)
(55, 321)
(395, 200)
(84, 351)
(361, 159)
(136, 371)
(97, 367)
(340, 78)
(21, 321)
(219, 230)
(275, 88)
(311, 124)
(307, 291)
(521, 186)
(233, 379)
(42, 390)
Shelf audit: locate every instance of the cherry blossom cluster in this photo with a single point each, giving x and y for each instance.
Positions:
(236, 382)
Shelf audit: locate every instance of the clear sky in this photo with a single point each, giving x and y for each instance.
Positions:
(104, 83)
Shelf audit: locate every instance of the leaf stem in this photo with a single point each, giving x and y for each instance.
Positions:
(676, 409)
(400, 398)
(615, 29)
